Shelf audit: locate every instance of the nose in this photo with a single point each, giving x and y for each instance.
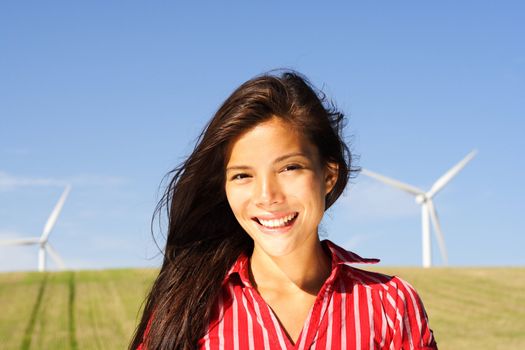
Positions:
(268, 192)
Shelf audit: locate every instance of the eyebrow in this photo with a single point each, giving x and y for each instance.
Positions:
(276, 160)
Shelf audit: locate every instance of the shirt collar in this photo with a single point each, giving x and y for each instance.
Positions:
(339, 256)
(240, 268)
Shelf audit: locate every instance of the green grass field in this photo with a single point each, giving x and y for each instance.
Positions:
(469, 308)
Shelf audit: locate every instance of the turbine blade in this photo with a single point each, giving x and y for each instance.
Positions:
(54, 214)
(20, 241)
(443, 180)
(392, 182)
(54, 255)
(437, 230)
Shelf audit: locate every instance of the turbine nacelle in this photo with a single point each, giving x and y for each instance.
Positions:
(421, 198)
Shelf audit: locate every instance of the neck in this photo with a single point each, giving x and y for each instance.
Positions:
(304, 269)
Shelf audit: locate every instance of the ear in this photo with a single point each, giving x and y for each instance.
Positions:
(330, 176)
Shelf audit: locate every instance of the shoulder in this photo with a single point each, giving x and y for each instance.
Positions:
(394, 300)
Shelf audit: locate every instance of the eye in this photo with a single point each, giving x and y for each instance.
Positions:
(291, 167)
(239, 176)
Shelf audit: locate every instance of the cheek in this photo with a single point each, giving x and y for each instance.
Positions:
(314, 188)
(310, 191)
(236, 199)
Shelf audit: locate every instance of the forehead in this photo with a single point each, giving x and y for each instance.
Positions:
(268, 141)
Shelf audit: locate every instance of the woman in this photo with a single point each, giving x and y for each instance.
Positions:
(244, 267)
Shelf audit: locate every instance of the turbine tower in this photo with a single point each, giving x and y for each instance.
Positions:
(428, 210)
(43, 240)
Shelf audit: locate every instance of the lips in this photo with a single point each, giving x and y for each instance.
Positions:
(276, 222)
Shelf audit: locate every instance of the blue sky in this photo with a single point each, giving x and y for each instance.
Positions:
(109, 96)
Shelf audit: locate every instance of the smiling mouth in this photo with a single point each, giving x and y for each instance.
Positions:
(277, 223)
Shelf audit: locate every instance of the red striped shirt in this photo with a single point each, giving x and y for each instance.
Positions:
(355, 309)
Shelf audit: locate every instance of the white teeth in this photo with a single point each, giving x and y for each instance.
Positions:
(277, 222)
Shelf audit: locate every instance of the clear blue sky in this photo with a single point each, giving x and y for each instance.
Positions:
(109, 96)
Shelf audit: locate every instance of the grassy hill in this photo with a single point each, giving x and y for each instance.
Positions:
(469, 308)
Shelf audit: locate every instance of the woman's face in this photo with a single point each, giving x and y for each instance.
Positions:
(276, 187)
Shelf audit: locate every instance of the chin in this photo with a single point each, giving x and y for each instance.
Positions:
(278, 247)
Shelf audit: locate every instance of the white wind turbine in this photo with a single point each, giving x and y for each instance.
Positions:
(428, 210)
(43, 240)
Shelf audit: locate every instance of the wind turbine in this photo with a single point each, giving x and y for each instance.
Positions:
(428, 210)
(43, 240)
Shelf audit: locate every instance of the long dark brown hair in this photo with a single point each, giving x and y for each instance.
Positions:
(204, 239)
